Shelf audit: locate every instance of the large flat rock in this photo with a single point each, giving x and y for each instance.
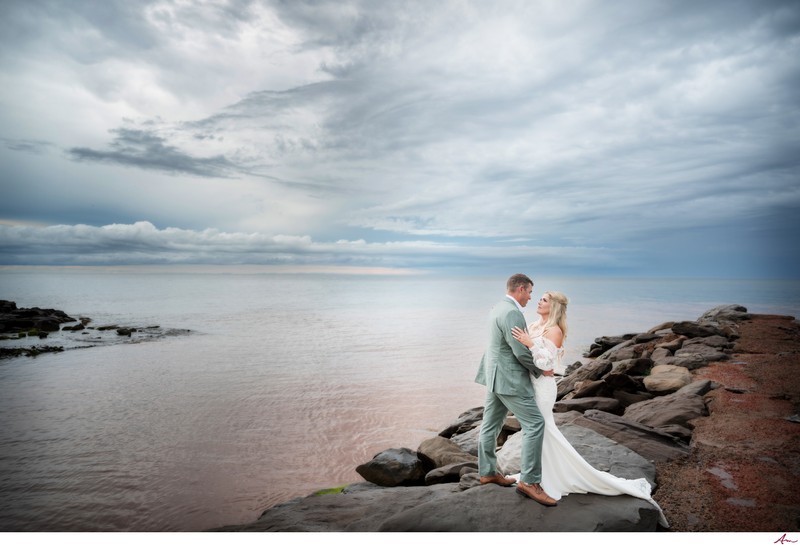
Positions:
(447, 508)
(492, 508)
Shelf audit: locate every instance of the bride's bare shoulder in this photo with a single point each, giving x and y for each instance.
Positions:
(554, 335)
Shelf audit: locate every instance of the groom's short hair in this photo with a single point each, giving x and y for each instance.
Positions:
(516, 281)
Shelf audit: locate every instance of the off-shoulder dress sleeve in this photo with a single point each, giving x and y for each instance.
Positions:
(545, 354)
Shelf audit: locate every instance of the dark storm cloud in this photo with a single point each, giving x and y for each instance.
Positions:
(143, 149)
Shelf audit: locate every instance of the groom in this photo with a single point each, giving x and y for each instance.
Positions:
(504, 371)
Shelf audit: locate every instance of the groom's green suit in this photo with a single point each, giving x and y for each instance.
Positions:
(504, 370)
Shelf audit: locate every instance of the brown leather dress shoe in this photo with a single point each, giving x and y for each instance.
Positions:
(535, 492)
(497, 479)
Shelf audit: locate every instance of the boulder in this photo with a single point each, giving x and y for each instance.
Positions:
(687, 360)
(465, 422)
(15, 320)
(633, 366)
(624, 352)
(660, 354)
(665, 379)
(716, 341)
(606, 404)
(572, 367)
(511, 425)
(439, 452)
(610, 353)
(708, 353)
(677, 409)
(593, 370)
(646, 337)
(468, 441)
(629, 398)
(469, 479)
(698, 388)
(591, 388)
(621, 381)
(725, 313)
(661, 328)
(451, 473)
(47, 324)
(394, 467)
(674, 342)
(508, 457)
(695, 329)
(605, 343)
(646, 441)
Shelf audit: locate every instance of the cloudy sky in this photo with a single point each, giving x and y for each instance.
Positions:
(655, 138)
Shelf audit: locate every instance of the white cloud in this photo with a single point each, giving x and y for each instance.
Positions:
(142, 243)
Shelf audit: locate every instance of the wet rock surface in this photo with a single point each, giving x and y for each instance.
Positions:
(34, 331)
(15, 320)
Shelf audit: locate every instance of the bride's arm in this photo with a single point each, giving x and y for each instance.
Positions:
(543, 357)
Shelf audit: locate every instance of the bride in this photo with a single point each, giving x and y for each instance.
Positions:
(564, 470)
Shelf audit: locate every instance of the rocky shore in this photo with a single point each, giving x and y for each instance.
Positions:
(33, 331)
(705, 410)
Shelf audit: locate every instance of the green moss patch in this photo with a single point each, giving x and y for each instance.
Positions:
(337, 490)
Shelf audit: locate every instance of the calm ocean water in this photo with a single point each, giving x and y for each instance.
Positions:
(287, 383)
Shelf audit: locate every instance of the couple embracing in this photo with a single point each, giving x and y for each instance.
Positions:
(518, 370)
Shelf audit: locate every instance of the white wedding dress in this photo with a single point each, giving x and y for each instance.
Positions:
(564, 471)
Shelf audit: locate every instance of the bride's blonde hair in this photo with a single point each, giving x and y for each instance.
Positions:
(558, 311)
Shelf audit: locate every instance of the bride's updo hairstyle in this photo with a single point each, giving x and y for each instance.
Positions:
(558, 311)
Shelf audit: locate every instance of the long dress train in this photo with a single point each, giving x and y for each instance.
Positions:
(564, 470)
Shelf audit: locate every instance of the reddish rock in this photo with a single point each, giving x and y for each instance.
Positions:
(744, 466)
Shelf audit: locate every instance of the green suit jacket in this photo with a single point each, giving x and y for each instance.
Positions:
(506, 363)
